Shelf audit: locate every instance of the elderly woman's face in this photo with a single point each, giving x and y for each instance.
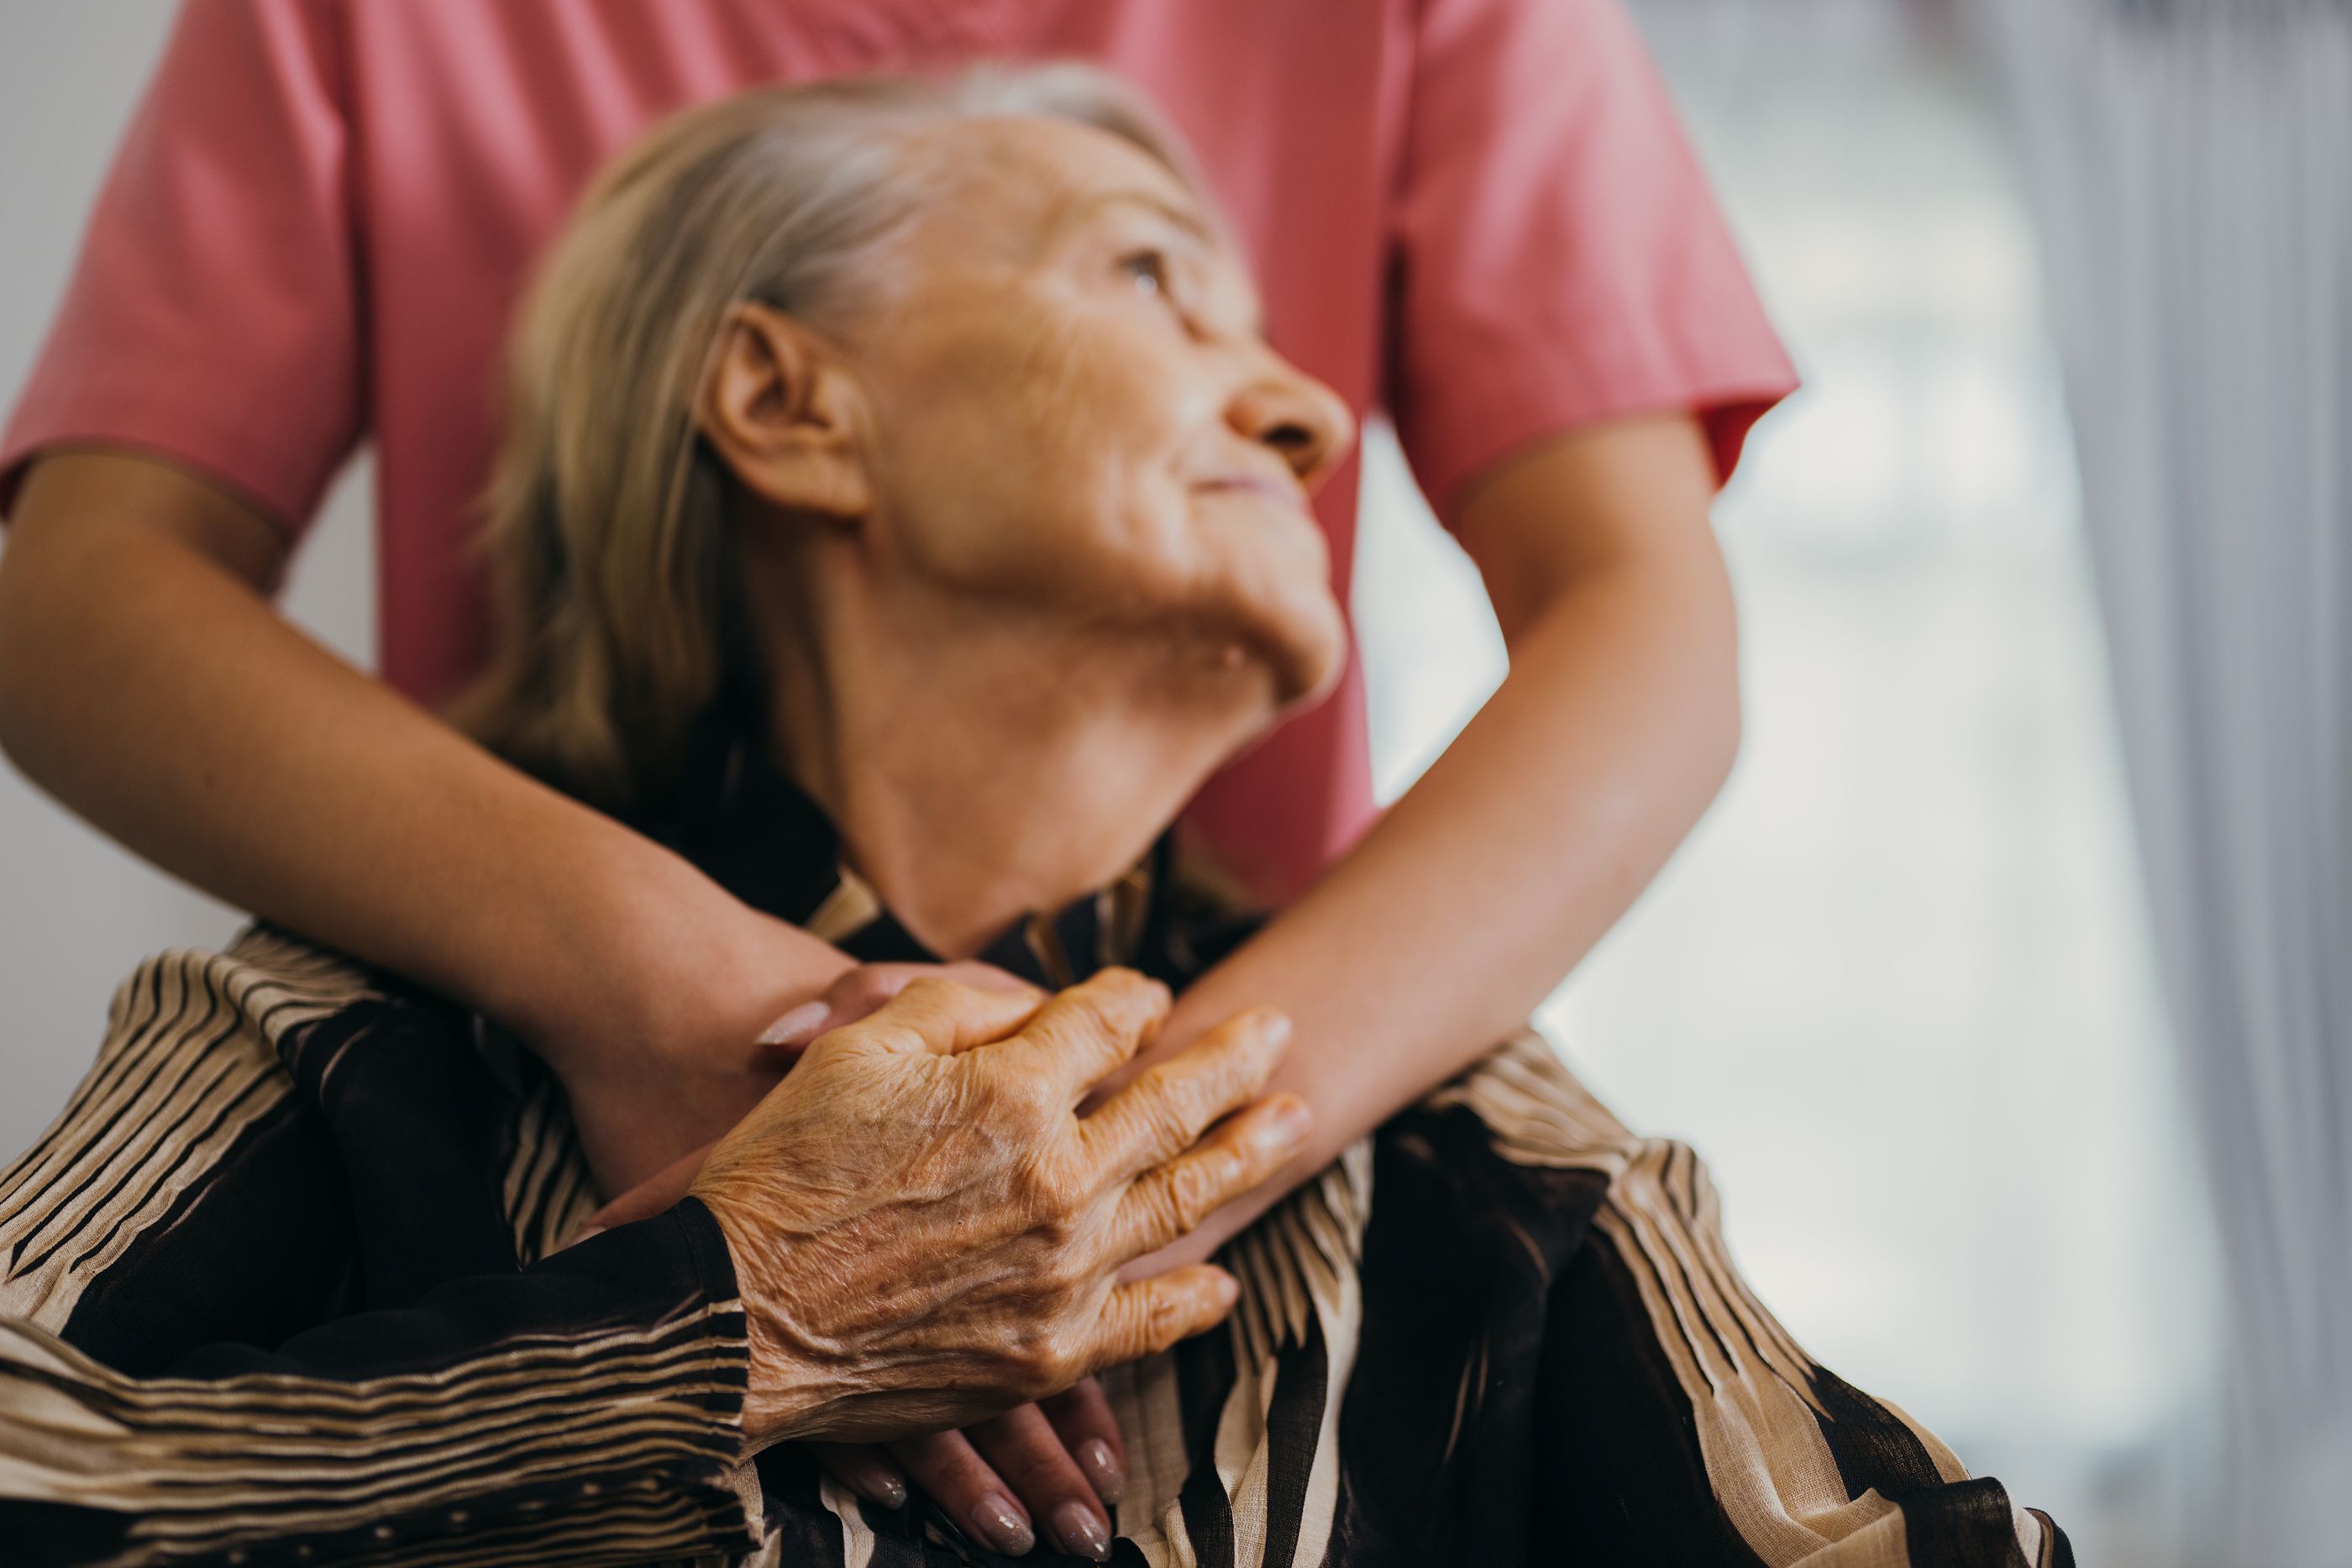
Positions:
(1073, 408)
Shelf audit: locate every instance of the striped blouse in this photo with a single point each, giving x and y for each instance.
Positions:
(282, 1285)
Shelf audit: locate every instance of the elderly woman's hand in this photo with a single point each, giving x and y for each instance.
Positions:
(1060, 1461)
(924, 1231)
(854, 994)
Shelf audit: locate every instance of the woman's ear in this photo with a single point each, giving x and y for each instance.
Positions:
(782, 411)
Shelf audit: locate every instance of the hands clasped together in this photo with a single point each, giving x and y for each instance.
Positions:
(925, 1232)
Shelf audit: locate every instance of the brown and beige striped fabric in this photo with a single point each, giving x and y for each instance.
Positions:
(186, 1211)
(282, 1285)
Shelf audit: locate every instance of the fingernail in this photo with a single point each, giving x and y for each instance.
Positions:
(880, 1486)
(1082, 1531)
(793, 1027)
(1102, 1469)
(1285, 1125)
(1001, 1528)
(1275, 1027)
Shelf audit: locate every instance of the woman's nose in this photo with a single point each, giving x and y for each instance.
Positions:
(1297, 415)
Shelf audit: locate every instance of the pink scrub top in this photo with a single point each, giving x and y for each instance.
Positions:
(1479, 216)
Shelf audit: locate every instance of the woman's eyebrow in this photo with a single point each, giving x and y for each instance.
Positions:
(1184, 218)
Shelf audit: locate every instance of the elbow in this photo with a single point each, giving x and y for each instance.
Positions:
(20, 653)
(47, 619)
(1713, 724)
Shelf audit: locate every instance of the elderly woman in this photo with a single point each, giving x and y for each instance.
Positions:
(859, 432)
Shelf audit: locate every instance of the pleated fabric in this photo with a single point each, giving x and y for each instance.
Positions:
(287, 1281)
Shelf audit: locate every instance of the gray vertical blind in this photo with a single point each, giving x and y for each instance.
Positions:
(2190, 166)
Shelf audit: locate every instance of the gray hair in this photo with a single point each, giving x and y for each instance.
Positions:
(605, 526)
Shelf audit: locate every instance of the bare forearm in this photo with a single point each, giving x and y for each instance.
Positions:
(1497, 871)
(1546, 817)
(154, 692)
(171, 708)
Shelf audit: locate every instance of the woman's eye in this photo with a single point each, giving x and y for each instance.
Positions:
(1149, 268)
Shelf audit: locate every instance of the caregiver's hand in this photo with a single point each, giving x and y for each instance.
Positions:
(926, 1233)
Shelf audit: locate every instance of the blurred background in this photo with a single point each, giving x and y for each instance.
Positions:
(2000, 984)
(1899, 989)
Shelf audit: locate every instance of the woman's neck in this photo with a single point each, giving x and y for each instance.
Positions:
(980, 766)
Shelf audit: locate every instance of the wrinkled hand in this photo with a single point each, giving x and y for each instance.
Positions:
(851, 996)
(1059, 1461)
(925, 1233)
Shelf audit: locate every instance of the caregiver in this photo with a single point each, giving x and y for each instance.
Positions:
(1477, 213)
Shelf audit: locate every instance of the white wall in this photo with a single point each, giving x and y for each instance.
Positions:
(76, 913)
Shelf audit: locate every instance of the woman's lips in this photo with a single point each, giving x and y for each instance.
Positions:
(1284, 494)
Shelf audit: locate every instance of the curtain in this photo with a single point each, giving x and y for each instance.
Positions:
(2189, 162)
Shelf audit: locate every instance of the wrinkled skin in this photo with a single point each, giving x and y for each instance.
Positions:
(1060, 1461)
(1071, 372)
(924, 1230)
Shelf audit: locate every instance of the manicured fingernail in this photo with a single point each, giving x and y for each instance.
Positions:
(1001, 1528)
(1102, 1469)
(1082, 1531)
(881, 1486)
(793, 1028)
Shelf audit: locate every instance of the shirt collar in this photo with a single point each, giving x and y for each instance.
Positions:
(762, 837)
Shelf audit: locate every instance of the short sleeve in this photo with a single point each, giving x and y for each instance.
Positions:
(1559, 257)
(212, 315)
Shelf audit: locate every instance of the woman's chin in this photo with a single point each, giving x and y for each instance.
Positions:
(1275, 659)
(1308, 655)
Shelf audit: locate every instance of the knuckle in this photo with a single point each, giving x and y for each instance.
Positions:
(1165, 1116)
(1014, 1099)
(1198, 1187)
(1121, 999)
(1036, 1102)
(1055, 1232)
(1061, 1365)
(1161, 1214)
(1062, 1276)
(1032, 1189)
(1212, 1077)
(1081, 1016)
(894, 1033)
(1167, 1318)
(1043, 1364)
(1159, 1320)
(1052, 1202)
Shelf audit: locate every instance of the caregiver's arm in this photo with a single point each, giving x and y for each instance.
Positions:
(1495, 874)
(146, 681)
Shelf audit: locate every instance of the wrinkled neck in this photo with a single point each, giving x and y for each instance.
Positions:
(982, 763)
